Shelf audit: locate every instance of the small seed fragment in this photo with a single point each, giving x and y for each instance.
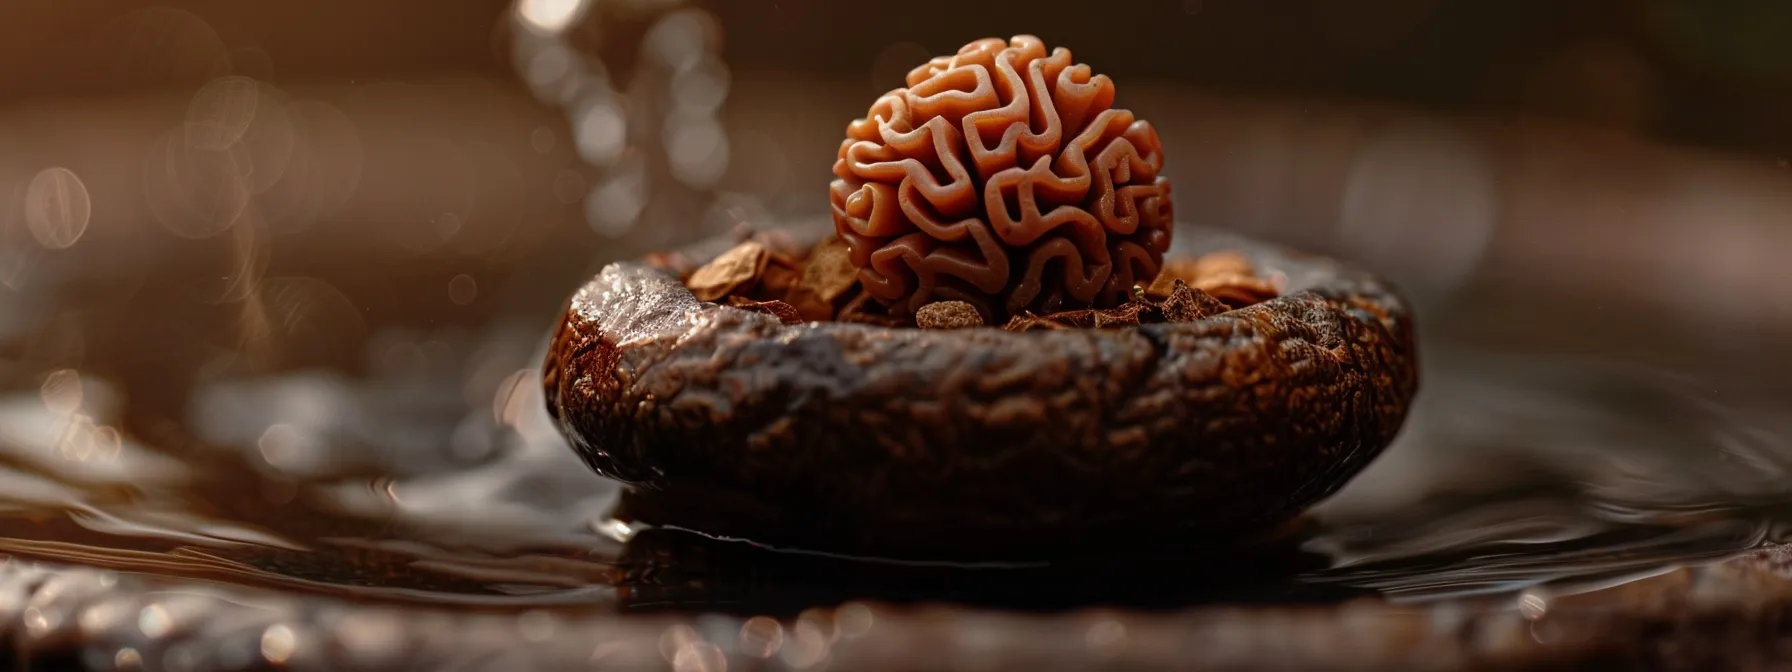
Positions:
(735, 269)
(827, 276)
(948, 315)
(1227, 276)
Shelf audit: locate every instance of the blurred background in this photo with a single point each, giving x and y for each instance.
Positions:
(275, 276)
(409, 161)
(1589, 200)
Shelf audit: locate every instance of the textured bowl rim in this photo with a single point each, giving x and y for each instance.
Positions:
(635, 345)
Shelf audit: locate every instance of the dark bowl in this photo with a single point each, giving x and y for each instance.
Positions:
(983, 444)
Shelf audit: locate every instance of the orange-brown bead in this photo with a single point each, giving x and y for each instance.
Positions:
(1002, 176)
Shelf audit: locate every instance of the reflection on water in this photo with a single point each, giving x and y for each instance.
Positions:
(436, 478)
(1518, 470)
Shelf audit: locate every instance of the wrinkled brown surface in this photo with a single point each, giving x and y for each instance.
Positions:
(982, 442)
(1003, 177)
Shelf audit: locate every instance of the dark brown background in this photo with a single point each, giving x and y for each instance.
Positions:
(1626, 150)
(1715, 72)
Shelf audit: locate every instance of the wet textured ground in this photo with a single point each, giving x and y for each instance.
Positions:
(417, 510)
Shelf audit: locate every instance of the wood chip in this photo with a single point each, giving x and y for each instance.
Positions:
(948, 315)
(783, 311)
(737, 268)
(1229, 262)
(1239, 291)
(828, 275)
(1227, 276)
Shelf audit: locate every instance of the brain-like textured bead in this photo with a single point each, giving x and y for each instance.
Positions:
(1002, 176)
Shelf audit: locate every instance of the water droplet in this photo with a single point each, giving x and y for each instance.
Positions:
(675, 637)
(761, 636)
(548, 67)
(462, 289)
(285, 448)
(221, 112)
(154, 621)
(853, 620)
(37, 622)
(61, 392)
(193, 191)
(697, 150)
(278, 643)
(57, 208)
(107, 443)
(615, 204)
(447, 224)
(1533, 604)
(102, 617)
(542, 140)
(679, 38)
(700, 88)
(619, 530)
(699, 657)
(601, 133)
(806, 647)
(549, 16)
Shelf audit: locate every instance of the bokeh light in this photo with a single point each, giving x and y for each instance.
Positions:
(221, 112)
(602, 133)
(57, 208)
(550, 15)
(1429, 187)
